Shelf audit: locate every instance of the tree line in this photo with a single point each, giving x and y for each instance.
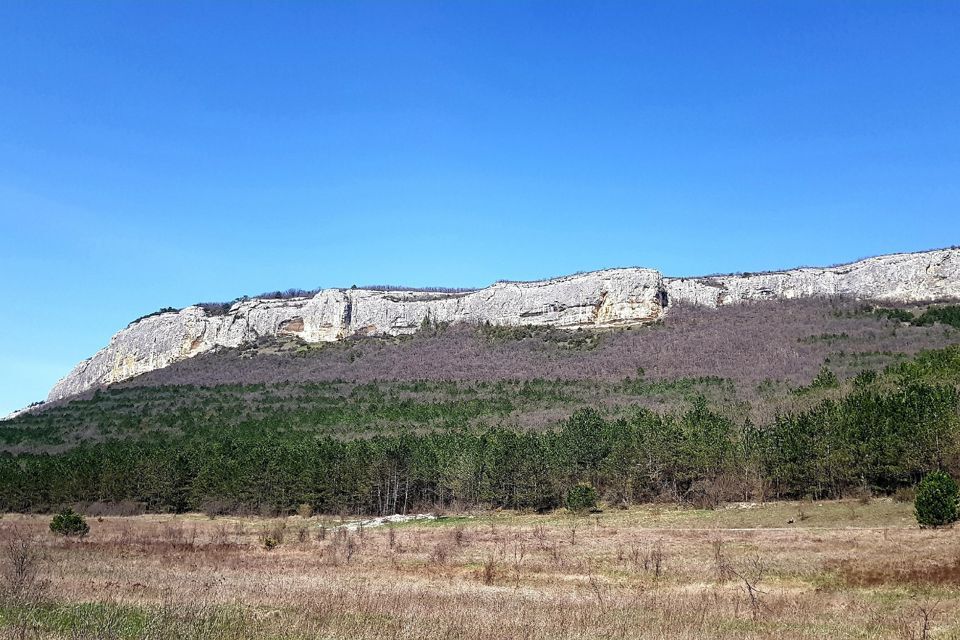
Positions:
(885, 433)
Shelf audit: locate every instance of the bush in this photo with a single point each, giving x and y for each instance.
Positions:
(581, 498)
(944, 315)
(937, 500)
(270, 543)
(826, 379)
(69, 523)
(21, 560)
(155, 313)
(897, 315)
(272, 536)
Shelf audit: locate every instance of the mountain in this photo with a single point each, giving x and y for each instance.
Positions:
(795, 384)
(601, 299)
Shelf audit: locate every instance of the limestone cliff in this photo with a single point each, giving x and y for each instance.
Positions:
(599, 299)
(903, 277)
(608, 298)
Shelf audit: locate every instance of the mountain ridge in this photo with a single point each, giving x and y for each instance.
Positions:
(614, 297)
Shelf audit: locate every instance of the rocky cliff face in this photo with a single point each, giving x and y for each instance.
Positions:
(609, 298)
(600, 299)
(903, 277)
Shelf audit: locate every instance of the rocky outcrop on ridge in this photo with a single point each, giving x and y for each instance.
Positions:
(903, 278)
(608, 298)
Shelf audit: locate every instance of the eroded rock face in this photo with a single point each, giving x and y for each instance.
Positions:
(609, 298)
(905, 277)
(606, 298)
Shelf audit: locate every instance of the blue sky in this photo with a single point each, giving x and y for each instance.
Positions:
(160, 154)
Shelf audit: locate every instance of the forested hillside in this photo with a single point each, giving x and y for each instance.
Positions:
(818, 399)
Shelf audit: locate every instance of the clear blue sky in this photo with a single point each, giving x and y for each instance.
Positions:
(159, 154)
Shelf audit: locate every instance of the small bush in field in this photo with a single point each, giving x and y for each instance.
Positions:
(272, 537)
(936, 503)
(269, 542)
(69, 523)
(21, 560)
(305, 511)
(581, 498)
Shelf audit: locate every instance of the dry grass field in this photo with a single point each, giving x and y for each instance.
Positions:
(783, 570)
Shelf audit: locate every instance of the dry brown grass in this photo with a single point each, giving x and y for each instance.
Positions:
(639, 573)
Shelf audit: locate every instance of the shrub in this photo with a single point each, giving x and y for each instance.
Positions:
(21, 559)
(937, 500)
(897, 315)
(826, 379)
(581, 498)
(215, 308)
(944, 315)
(69, 523)
(865, 378)
(272, 536)
(155, 313)
(269, 542)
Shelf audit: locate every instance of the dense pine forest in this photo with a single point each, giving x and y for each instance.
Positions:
(368, 446)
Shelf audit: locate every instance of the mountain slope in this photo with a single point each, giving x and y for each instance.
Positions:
(745, 359)
(601, 299)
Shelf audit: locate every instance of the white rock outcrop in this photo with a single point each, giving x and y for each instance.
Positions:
(904, 277)
(608, 298)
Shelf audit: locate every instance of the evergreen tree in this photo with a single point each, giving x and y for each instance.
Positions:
(937, 500)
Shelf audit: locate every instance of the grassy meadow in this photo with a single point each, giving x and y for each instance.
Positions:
(836, 569)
